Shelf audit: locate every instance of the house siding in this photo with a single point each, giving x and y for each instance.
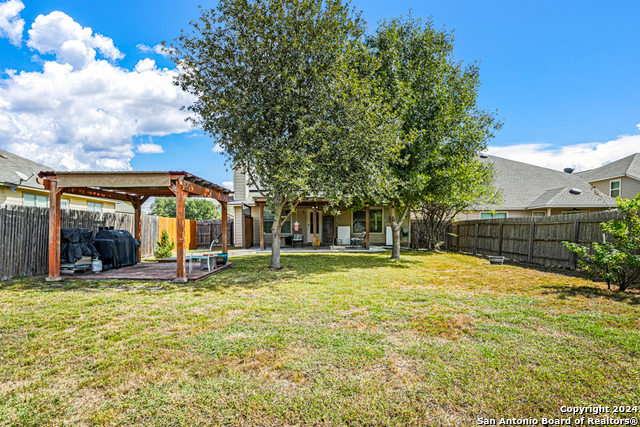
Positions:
(8, 197)
(630, 187)
(240, 185)
(524, 213)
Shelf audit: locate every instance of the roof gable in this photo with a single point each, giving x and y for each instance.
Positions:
(525, 186)
(627, 166)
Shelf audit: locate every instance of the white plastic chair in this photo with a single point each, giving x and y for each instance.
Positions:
(202, 255)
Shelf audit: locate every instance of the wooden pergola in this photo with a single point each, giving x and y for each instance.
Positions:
(136, 188)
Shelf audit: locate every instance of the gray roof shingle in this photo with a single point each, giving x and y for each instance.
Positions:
(13, 163)
(525, 186)
(629, 166)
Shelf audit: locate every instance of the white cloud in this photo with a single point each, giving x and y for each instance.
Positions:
(72, 44)
(217, 149)
(228, 185)
(156, 49)
(149, 148)
(85, 117)
(11, 25)
(578, 156)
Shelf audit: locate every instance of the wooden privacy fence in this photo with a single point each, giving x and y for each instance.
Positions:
(536, 240)
(24, 235)
(211, 229)
(190, 230)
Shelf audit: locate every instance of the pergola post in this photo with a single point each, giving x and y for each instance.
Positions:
(181, 196)
(366, 228)
(54, 232)
(225, 232)
(261, 219)
(137, 220)
(315, 227)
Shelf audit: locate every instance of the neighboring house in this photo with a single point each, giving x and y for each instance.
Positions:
(619, 178)
(529, 190)
(30, 193)
(246, 210)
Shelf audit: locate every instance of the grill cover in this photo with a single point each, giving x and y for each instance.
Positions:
(117, 248)
(76, 243)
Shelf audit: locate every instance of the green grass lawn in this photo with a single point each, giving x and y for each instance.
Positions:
(332, 339)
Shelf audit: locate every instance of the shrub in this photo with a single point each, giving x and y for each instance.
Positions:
(164, 246)
(617, 261)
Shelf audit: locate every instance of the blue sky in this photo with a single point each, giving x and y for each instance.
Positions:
(563, 75)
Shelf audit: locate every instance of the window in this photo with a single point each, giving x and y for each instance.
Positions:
(268, 221)
(540, 213)
(360, 221)
(489, 215)
(37, 200)
(64, 203)
(614, 188)
(94, 207)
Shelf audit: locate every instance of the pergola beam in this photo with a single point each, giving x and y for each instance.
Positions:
(192, 188)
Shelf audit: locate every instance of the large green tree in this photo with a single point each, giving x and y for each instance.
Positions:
(195, 208)
(287, 89)
(435, 96)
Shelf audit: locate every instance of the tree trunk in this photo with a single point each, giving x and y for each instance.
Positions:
(275, 247)
(396, 224)
(395, 249)
(276, 230)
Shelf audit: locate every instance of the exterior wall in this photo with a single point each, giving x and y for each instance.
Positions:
(345, 218)
(524, 213)
(8, 197)
(630, 187)
(240, 185)
(238, 223)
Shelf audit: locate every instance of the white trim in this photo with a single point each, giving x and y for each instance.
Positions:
(619, 181)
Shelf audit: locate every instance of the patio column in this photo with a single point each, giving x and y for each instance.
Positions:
(137, 223)
(261, 219)
(54, 231)
(366, 228)
(315, 227)
(225, 232)
(181, 196)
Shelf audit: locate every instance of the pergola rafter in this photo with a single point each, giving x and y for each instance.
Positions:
(135, 188)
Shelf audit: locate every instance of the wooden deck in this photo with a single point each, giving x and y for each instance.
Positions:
(164, 272)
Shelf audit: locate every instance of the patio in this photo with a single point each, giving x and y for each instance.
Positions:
(156, 271)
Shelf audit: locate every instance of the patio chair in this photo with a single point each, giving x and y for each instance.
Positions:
(359, 241)
(297, 238)
(203, 255)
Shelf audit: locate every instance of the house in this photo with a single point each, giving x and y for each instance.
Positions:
(619, 178)
(529, 190)
(330, 229)
(15, 190)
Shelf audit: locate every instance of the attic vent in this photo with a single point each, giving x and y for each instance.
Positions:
(575, 191)
(3, 156)
(484, 156)
(568, 170)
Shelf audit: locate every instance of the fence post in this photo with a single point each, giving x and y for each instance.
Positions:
(576, 239)
(532, 234)
(475, 241)
(500, 239)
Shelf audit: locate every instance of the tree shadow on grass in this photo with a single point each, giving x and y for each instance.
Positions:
(249, 271)
(253, 271)
(566, 291)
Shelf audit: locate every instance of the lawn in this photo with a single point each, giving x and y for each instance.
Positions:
(331, 339)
